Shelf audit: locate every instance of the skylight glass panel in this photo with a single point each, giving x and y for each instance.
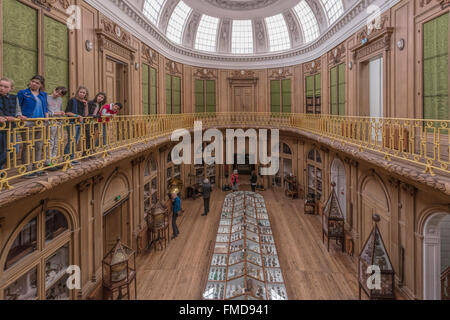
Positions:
(334, 9)
(242, 37)
(152, 8)
(207, 33)
(177, 21)
(307, 20)
(278, 33)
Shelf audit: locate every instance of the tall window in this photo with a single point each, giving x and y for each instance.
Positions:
(242, 37)
(337, 90)
(177, 21)
(281, 96)
(150, 184)
(173, 94)
(334, 9)
(207, 34)
(315, 171)
(22, 55)
(436, 68)
(278, 33)
(152, 9)
(313, 94)
(46, 239)
(205, 96)
(307, 20)
(149, 90)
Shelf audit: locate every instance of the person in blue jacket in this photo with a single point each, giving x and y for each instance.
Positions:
(176, 207)
(33, 105)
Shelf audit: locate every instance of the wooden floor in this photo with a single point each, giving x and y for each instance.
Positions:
(180, 271)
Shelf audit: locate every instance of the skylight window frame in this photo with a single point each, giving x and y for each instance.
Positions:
(206, 37)
(278, 32)
(153, 12)
(334, 9)
(242, 39)
(307, 20)
(177, 22)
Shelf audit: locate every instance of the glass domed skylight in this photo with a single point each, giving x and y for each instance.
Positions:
(242, 31)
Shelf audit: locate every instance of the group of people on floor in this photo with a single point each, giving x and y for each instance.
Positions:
(34, 103)
(206, 192)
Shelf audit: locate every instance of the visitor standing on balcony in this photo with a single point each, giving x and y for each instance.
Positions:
(106, 113)
(33, 105)
(55, 110)
(77, 108)
(235, 181)
(94, 107)
(8, 113)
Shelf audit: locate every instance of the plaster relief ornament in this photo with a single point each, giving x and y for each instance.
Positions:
(241, 4)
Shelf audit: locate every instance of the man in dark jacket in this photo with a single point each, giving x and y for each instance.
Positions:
(206, 190)
(8, 113)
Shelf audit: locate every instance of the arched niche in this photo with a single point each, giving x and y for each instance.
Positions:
(117, 188)
(338, 176)
(436, 233)
(374, 198)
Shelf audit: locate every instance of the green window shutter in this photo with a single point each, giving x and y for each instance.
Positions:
(275, 96)
(20, 47)
(210, 96)
(318, 82)
(199, 96)
(287, 95)
(145, 91)
(153, 91)
(168, 94)
(435, 68)
(56, 58)
(310, 86)
(176, 90)
(341, 89)
(333, 91)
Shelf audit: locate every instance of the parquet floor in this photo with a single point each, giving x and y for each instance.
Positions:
(180, 271)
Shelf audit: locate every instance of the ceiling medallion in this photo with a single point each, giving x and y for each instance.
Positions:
(241, 4)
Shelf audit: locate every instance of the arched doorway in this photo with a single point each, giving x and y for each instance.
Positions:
(339, 178)
(436, 257)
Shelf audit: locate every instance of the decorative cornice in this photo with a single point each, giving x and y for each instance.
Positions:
(312, 67)
(174, 68)
(280, 73)
(84, 185)
(337, 55)
(184, 53)
(137, 161)
(151, 56)
(443, 3)
(205, 74)
(48, 4)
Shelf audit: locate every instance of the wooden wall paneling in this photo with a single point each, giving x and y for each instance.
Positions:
(325, 79)
(298, 90)
(86, 66)
(189, 97)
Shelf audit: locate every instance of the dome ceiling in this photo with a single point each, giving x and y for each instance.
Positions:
(243, 27)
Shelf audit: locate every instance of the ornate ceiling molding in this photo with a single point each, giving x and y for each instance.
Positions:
(49, 4)
(150, 55)
(239, 5)
(342, 29)
(312, 67)
(280, 73)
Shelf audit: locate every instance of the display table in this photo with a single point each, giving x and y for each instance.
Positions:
(245, 264)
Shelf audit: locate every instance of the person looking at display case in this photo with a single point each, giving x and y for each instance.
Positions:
(235, 181)
(176, 208)
(206, 190)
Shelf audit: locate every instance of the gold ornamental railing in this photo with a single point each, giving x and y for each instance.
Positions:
(35, 146)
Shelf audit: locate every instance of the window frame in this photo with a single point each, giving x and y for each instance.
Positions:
(338, 87)
(282, 94)
(205, 95)
(315, 98)
(37, 258)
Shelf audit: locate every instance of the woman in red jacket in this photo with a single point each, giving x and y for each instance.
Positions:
(235, 180)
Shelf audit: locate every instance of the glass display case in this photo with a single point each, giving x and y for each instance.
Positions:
(25, 288)
(245, 265)
(333, 220)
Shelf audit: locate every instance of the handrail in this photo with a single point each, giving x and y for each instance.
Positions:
(422, 142)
